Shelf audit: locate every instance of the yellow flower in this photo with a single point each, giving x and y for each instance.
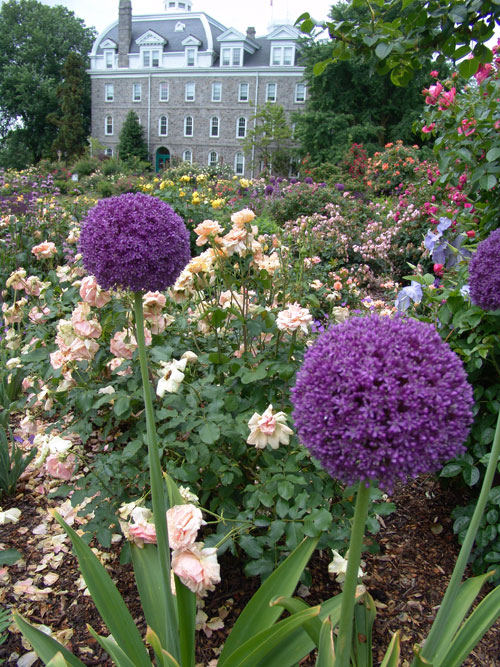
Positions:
(182, 193)
(185, 178)
(244, 182)
(200, 178)
(217, 203)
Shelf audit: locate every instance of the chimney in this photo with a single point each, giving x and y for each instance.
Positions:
(124, 31)
(251, 33)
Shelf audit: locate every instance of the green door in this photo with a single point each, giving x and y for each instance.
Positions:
(162, 158)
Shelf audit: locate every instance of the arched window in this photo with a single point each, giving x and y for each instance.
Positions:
(188, 126)
(163, 126)
(108, 125)
(214, 126)
(239, 164)
(187, 156)
(241, 127)
(213, 158)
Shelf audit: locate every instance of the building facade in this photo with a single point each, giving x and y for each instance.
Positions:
(194, 84)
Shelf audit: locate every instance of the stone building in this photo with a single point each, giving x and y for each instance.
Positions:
(194, 84)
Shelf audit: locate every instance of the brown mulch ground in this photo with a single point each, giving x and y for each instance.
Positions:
(407, 579)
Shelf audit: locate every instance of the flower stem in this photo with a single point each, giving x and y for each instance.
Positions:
(157, 488)
(432, 642)
(343, 649)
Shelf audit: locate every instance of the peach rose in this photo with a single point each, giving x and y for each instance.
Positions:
(44, 250)
(294, 318)
(38, 316)
(184, 522)
(206, 229)
(153, 303)
(123, 344)
(83, 326)
(197, 568)
(92, 294)
(240, 218)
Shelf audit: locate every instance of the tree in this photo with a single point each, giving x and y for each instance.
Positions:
(131, 142)
(349, 103)
(35, 41)
(72, 121)
(271, 139)
(402, 35)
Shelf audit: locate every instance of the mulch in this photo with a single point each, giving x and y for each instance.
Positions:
(407, 578)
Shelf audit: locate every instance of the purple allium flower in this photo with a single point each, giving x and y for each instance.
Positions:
(308, 180)
(339, 186)
(268, 190)
(134, 242)
(484, 273)
(381, 399)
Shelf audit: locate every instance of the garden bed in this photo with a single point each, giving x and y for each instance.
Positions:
(407, 578)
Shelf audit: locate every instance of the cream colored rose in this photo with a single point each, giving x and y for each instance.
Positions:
(184, 522)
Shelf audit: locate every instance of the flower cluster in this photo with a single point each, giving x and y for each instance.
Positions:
(381, 399)
(484, 273)
(135, 242)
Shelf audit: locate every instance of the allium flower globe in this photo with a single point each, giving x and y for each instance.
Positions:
(134, 242)
(484, 273)
(382, 399)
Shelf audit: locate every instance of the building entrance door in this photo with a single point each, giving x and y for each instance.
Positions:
(162, 158)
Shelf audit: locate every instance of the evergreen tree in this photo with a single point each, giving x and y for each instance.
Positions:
(270, 141)
(73, 119)
(131, 143)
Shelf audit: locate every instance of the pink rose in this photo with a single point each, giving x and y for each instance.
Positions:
(184, 522)
(123, 344)
(483, 72)
(433, 93)
(60, 469)
(91, 292)
(197, 568)
(38, 316)
(82, 326)
(153, 303)
(44, 250)
(142, 532)
(427, 129)
(447, 99)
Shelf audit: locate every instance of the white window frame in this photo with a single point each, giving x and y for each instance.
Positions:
(109, 92)
(215, 162)
(108, 151)
(163, 123)
(240, 126)
(240, 98)
(136, 92)
(214, 127)
(191, 56)
(268, 88)
(163, 86)
(187, 94)
(302, 87)
(216, 86)
(109, 58)
(186, 134)
(231, 56)
(239, 163)
(190, 159)
(282, 56)
(148, 58)
(108, 124)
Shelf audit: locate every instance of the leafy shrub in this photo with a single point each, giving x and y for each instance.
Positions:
(86, 166)
(300, 199)
(12, 463)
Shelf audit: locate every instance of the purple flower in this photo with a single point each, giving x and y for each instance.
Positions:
(339, 186)
(382, 399)
(293, 181)
(268, 190)
(308, 180)
(134, 242)
(484, 273)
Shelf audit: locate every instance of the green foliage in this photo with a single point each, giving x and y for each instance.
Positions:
(300, 199)
(404, 35)
(35, 41)
(132, 144)
(13, 463)
(270, 141)
(72, 120)
(5, 621)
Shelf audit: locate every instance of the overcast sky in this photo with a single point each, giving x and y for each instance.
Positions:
(237, 14)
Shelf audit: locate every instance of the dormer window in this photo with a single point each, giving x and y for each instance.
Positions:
(191, 57)
(231, 56)
(109, 59)
(282, 55)
(151, 58)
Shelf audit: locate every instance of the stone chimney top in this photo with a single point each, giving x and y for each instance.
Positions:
(124, 31)
(251, 32)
